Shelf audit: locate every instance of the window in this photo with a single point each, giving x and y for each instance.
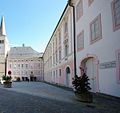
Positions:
(26, 66)
(116, 14)
(1, 41)
(96, 29)
(79, 9)
(80, 41)
(22, 66)
(22, 72)
(59, 37)
(59, 72)
(118, 65)
(14, 72)
(59, 54)
(90, 2)
(14, 66)
(53, 58)
(56, 42)
(10, 66)
(66, 50)
(56, 57)
(66, 27)
(18, 66)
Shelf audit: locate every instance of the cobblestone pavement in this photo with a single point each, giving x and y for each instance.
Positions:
(38, 97)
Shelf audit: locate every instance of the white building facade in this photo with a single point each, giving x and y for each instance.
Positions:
(97, 46)
(25, 63)
(98, 43)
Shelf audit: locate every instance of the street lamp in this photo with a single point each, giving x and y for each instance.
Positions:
(71, 4)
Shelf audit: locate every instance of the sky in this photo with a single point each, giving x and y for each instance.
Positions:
(31, 22)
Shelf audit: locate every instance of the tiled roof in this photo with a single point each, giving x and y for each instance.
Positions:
(23, 52)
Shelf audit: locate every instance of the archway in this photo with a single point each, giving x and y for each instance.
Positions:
(90, 65)
(67, 76)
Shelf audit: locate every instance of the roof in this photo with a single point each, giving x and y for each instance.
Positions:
(23, 53)
(2, 27)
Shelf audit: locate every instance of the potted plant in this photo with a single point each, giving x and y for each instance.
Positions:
(7, 80)
(81, 88)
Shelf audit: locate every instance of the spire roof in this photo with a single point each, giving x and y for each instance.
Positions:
(2, 27)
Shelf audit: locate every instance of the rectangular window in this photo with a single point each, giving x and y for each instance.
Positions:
(66, 50)
(56, 43)
(96, 29)
(59, 72)
(116, 14)
(118, 65)
(80, 41)
(53, 59)
(90, 2)
(10, 66)
(14, 66)
(59, 38)
(79, 9)
(26, 66)
(1, 41)
(56, 57)
(59, 54)
(22, 66)
(18, 66)
(66, 27)
(26, 72)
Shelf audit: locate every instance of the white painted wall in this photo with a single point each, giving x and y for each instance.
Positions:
(105, 48)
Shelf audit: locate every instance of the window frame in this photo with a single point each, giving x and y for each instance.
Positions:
(79, 10)
(66, 50)
(115, 26)
(90, 2)
(97, 38)
(80, 37)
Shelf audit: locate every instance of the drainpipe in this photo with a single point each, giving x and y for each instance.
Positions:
(6, 64)
(71, 4)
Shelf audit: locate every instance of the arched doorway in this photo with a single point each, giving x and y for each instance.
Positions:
(91, 68)
(67, 76)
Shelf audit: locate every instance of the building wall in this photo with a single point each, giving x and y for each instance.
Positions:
(103, 50)
(56, 62)
(97, 46)
(25, 62)
(3, 53)
(24, 67)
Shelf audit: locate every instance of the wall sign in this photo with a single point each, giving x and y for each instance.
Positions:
(106, 65)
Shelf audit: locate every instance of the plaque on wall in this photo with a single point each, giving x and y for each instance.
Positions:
(106, 65)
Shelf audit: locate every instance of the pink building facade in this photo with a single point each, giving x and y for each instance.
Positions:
(58, 55)
(25, 63)
(97, 46)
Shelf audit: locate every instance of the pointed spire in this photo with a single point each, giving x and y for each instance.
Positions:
(3, 31)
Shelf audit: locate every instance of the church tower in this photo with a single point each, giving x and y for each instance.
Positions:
(3, 48)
